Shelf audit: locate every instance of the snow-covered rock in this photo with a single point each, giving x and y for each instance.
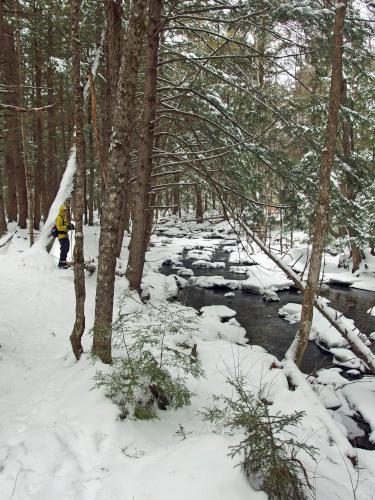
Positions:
(221, 312)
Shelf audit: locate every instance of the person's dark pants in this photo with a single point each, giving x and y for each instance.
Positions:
(64, 249)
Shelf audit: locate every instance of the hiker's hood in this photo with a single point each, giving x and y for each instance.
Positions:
(61, 210)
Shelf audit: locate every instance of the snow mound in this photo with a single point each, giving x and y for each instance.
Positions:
(221, 312)
(214, 282)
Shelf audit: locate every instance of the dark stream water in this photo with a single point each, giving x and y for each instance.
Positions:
(261, 320)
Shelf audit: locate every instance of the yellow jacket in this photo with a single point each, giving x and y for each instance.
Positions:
(62, 223)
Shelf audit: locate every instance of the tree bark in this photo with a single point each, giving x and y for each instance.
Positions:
(39, 166)
(138, 242)
(113, 50)
(349, 186)
(198, 204)
(51, 186)
(321, 213)
(24, 175)
(91, 158)
(118, 165)
(3, 222)
(11, 123)
(78, 256)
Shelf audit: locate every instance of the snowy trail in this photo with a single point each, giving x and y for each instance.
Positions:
(39, 379)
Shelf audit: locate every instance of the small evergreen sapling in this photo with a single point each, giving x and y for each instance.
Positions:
(268, 457)
(150, 362)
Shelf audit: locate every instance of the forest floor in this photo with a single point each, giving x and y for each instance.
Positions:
(61, 439)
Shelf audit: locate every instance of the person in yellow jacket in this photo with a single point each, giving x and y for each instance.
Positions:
(63, 226)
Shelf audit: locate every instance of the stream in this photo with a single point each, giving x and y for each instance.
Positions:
(261, 320)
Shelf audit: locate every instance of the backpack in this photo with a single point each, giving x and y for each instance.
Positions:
(54, 231)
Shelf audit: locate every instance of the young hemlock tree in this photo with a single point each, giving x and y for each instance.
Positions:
(268, 450)
(152, 360)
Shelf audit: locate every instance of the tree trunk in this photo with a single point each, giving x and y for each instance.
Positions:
(39, 166)
(51, 186)
(138, 242)
(349, 186)
(176, 196)
(24, 173)
(91, 158)
(124, 216)
(118, 166)
(113, 9)
(11, 123)
(198, 204)
(3, 222)
(322, 207)
(78, 256)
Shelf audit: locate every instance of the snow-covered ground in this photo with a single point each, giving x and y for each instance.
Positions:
(61, 440)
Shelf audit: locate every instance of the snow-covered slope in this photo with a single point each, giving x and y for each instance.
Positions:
(60, 440)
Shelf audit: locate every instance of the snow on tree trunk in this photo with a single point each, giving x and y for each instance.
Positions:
(118, 164)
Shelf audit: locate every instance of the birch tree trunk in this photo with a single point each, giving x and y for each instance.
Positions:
(78, 256)
(321, 213)
(118, 165)
(141, 221)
